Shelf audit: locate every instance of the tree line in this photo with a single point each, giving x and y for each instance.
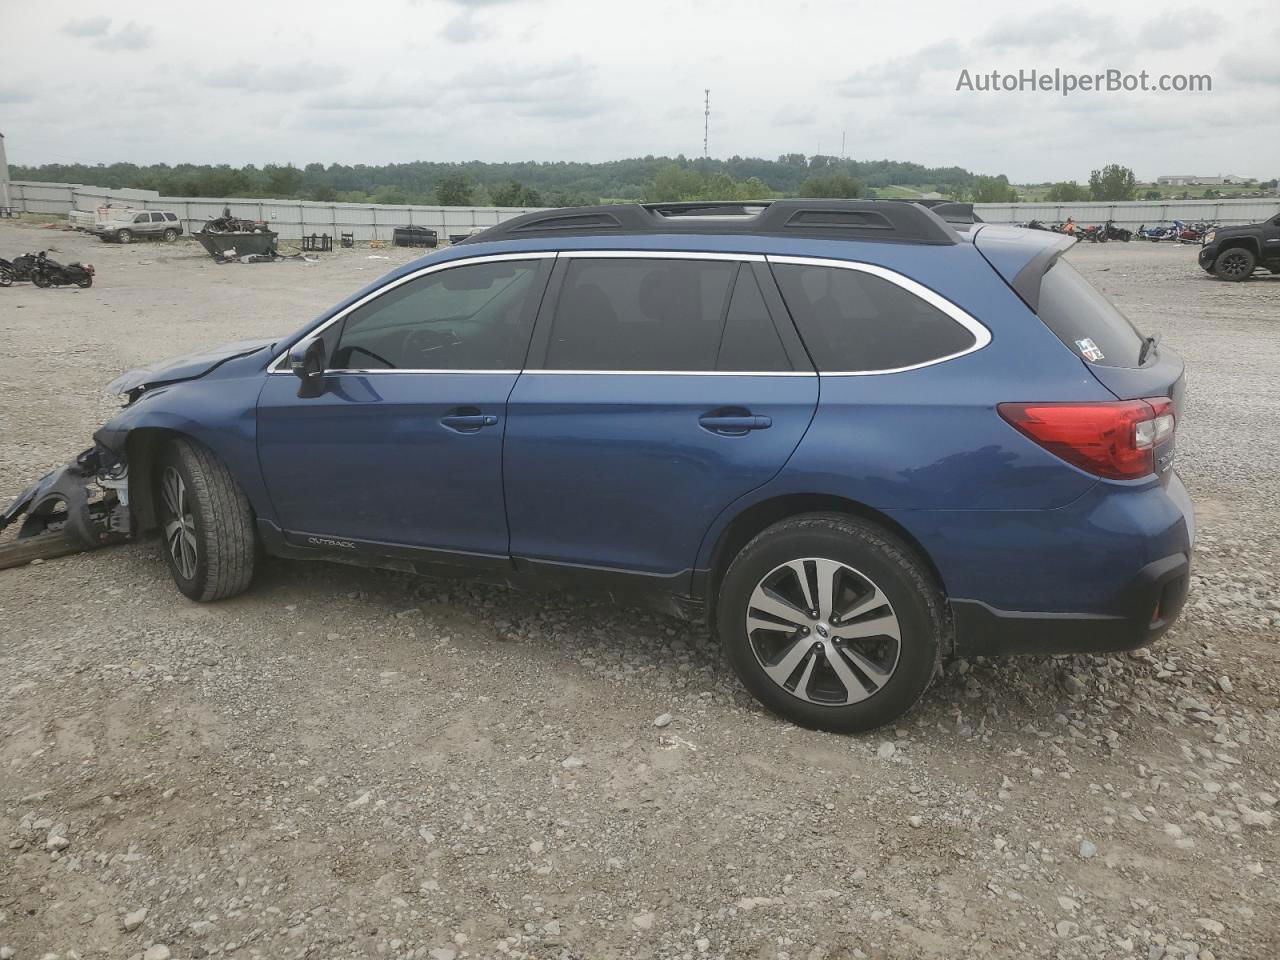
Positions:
(531, 183)
(564, 183)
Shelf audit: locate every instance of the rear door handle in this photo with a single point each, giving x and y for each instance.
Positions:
(734, 425)
(468, 422)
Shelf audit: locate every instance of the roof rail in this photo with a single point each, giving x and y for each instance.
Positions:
(878, 220)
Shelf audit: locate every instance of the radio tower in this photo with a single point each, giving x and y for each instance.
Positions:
(706, 122)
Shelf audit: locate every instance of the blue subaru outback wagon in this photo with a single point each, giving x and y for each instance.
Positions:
(853, 437)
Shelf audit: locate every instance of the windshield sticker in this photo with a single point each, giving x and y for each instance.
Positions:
(1089, 350)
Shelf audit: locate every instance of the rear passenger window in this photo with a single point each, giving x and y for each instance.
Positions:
(1085, 320)
(171, 216)
(640, 314)
(750, 341)
(855, 322)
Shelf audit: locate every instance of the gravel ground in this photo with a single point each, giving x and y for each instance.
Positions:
(352, 764)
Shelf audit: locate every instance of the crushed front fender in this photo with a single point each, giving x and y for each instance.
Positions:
(87, 501)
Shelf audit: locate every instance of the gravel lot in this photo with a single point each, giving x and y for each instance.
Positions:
(354, 764)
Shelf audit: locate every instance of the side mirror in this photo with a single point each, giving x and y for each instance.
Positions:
(307, 361)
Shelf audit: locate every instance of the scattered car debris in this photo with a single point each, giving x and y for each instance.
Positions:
(79, 507)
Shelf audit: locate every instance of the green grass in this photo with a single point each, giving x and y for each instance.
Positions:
(1035, 192)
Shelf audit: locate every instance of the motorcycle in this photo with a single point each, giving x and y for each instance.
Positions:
(1156, 234)
(50, 273)
(1094, 234)
(1112, 232)
(17, 269)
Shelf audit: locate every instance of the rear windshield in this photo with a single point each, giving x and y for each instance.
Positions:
(1086, 321)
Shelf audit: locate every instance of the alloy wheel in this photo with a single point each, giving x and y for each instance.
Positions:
(179, 523)
(823, 631)
(1234, 264)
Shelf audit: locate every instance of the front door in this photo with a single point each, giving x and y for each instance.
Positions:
(659, 390)
(403, 449)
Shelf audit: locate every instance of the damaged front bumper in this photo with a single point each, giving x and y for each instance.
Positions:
(87, 501)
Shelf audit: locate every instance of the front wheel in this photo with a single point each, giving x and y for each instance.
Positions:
(86, 281)
(1235, 264)
(6, 277)
(41, 280)
(206, 523)
(831, 622)
(124, 236)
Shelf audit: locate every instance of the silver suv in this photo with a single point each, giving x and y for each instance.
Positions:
(124, 226)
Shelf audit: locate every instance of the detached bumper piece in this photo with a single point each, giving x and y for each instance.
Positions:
(82, 506)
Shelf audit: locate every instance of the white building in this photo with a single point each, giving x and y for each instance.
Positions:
(1194, 180)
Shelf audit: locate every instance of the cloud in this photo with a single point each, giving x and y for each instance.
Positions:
(1047, 28)
(278, 79)
(1176, 29)
(88, 27)
(465, 28)
(903, 74)
(10, 95)
(129, 37)
(392, 100)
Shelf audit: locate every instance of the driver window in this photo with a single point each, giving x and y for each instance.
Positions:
(476, 317)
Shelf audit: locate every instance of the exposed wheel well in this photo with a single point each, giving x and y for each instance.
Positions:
(761, 515)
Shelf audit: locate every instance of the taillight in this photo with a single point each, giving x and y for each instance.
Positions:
(1113, 440)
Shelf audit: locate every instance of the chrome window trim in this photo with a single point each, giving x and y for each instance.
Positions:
(981, 335)
(276, 364)
(661, 255)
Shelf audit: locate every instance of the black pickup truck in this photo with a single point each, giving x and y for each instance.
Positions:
(1233, 253)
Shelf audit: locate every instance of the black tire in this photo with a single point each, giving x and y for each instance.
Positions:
(85, 281)
(40, 280)
(170, 235)
(124, 236)
(1235, 264)
(6, 277)
(217, 523)
(882, 560)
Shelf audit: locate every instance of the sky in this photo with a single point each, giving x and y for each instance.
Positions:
(399, 80)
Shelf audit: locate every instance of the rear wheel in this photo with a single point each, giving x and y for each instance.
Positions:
(170, 235)
(40, 279)
(831, 622)
(6, 277)
(1235, 264)
(206, 523)
(85, 281)
(124, 236)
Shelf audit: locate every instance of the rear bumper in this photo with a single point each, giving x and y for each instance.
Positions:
(1108, 572)
(1150, 603)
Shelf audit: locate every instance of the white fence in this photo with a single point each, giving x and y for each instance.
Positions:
(293, 219)
(1132, 213)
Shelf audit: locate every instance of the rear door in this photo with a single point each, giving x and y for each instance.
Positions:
(660, 388)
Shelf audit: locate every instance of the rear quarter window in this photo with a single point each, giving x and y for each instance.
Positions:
(1086, 321)
(856, 322)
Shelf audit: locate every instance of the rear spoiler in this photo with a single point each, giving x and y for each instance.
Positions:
(1022, 257)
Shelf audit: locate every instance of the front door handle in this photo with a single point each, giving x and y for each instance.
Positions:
(468, 422)
(734, 426)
